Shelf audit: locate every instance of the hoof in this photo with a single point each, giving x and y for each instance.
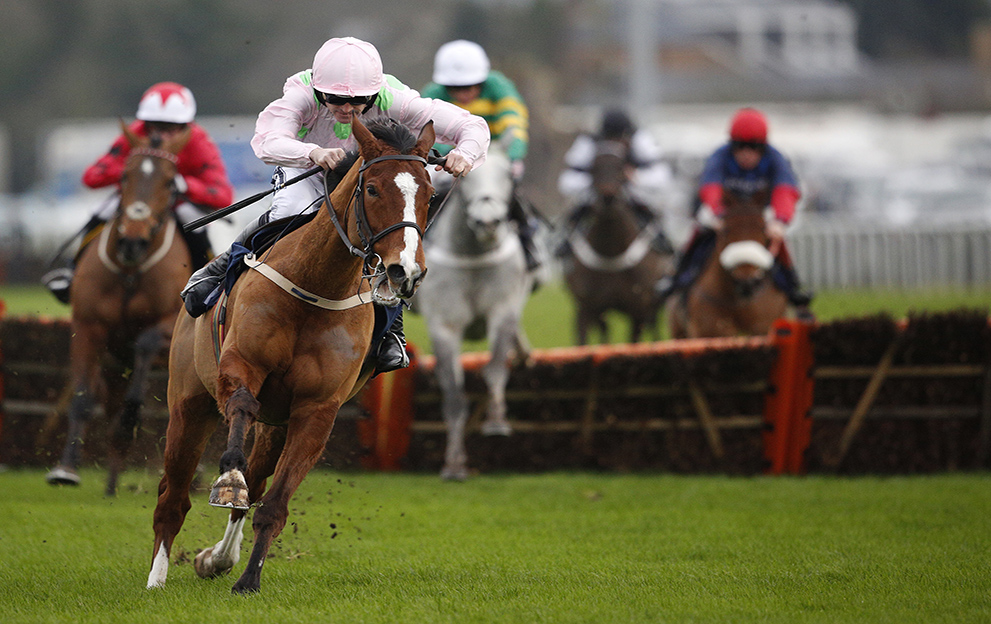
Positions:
(245, 588)
(230, 491)
(454, 474)
(496, 429)
(205, 566)
(60, 475)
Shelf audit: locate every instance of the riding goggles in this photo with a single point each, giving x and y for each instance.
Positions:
(754, 145)
(329, 99)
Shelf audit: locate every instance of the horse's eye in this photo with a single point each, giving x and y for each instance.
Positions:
(371, 190)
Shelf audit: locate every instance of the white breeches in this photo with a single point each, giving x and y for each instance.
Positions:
(302, 197)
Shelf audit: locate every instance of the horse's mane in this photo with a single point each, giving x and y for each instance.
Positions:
(385, 129)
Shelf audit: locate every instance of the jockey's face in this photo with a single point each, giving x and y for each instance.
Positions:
(343, 107)
(747, 155)
(164, 129)
(344, 113)
(465, 95)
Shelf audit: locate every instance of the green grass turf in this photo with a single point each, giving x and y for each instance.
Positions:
(559, 547)
(549, 315)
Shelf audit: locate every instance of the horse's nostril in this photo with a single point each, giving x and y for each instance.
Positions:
(396, 273)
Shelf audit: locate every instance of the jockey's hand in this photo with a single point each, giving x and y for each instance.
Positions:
(516, 169)
(775, 229)
(455, 164)
(328, 158)
(707, 217)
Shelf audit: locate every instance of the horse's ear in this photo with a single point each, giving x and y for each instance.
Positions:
(132, 138)
(367, 142)
(425, 141)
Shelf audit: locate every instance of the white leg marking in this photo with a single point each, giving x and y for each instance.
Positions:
(227, 552)
(408, 187)
(159, 568)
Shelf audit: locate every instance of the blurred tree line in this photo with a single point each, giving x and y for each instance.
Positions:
(93, 58)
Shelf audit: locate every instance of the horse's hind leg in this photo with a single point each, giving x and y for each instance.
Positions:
(88, 343)
(146, 348)
(224, 555)
(454, 402)
(191, 422)
(502, 337)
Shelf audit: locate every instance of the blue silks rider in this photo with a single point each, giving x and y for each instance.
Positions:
(311, 124)
(747, 165)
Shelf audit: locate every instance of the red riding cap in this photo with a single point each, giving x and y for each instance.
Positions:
(749, 124)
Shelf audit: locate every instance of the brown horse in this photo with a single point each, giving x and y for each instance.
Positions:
(125, 298)
(286, 365)
(734, 294)
(613, 265)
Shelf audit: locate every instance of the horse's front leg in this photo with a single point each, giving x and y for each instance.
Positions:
(240, 411)
(502, 338)
(454, 402)
(306, 437)
(146, 348)
(89, 341)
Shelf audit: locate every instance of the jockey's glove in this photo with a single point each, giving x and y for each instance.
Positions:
(707, 217)
(180, 184)
(516, 169)
(775, 228)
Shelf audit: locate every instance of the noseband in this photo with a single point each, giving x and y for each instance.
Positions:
(140, 211)
(368, 238)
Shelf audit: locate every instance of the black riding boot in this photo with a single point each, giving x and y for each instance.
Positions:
(526, 227)
(198, 243)
(570, 225)
(391, 354)
(207, 279)
(59, 281)
(787, 280)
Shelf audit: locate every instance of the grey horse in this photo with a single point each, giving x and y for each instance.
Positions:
(477, 271)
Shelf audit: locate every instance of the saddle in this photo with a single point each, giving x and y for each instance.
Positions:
(263, 240)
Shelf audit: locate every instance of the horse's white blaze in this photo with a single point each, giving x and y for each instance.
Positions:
(138, 211)
(408, 187)
(746, 252)
(147, 166)
(159, 568)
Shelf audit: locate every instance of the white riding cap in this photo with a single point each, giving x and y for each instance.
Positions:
(461, 63)
(349, 67)
(169, 102)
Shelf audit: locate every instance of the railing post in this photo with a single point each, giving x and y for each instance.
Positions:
(789, 399)
(389, 400)
(778, 401)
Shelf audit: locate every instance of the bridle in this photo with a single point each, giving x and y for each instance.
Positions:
(139, 211)
(372, 261)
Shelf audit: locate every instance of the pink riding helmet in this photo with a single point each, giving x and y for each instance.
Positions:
(349, 67)
(167, 101)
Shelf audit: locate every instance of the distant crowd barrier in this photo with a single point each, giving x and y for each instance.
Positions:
(854, 254)
(869, 395)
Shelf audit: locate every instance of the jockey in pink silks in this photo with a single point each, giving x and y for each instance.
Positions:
(311, 125)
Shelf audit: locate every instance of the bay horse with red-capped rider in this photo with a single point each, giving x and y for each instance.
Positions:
(125, 298)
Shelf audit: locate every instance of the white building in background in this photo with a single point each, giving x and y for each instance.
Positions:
(805, 38)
